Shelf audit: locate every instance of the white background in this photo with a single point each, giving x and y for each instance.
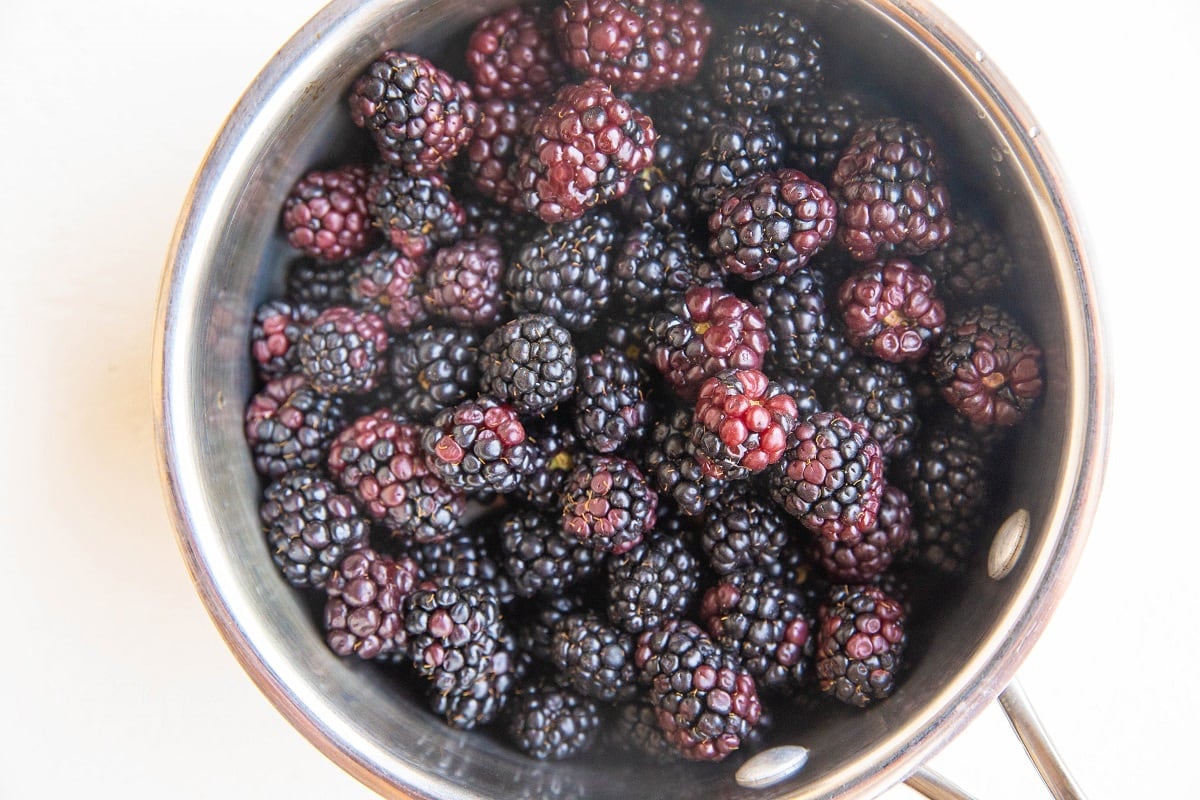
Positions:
(113, 680)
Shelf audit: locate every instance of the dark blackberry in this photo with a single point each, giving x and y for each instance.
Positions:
(764, 622)
(325, 215)
(773, 61)
(563, 271)
(607, 504)
(653, 264)
(552, 723)
(688, 114)
(274, 332)
(974, 266)
(742, 423)
(737, 151)
(806, 338)
(702, 332)
(651, 584)
(528, 362)
(289, 426)
(864, 561)
(743, 531)
(386, 283)
(634, 45)
(819, 129)
(344, 351)
(321, 284)
(536, 621)
(611, 408)
(417, 213)
(891, 310)
(669, 459)
(485, 218)
(464, 560)
(379, 460)
(831, 477)
(803, 392)
(502, 133)
(310, 527)
(889, 191)
(877, 395)
(478, 445)
(433, 369)
(658, 194)
(706, 704)
(538, 558)
(987, 368)
(595, 659)
(486, 697)
(364, 609)
(860, 643)
(554, 451)
(453, 631)
(418, 115)
(512, 55)
(583, 150)
(634, 730)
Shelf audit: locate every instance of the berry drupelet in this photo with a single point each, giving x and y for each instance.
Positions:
(863, 561)
(417, 213)
(607, 504)
(771, 62)
(611, 408)
(289, 425)
(433, 369)
(548, 722)
(594, 658)
(743, 531)
(386, 283)
(325, 216)
(538, 558)
(344, 351)
(651, 264)
(670, 463)
(742, 423)
(529, 363)
(274, 332)
(477, 446)
(860, 643)
(651, 584)
(806, 337)
(364, 609)
(512, 56)
(310, 527)
(877, 395)
(737, 151)
(891, 311)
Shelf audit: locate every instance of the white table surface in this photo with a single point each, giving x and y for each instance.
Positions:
(113, 681)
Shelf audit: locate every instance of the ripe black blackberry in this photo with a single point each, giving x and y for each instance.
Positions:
(658, 194)
(487, 696)
(611, 407)
(464, 283)
(860, 644)
(478, 445)
(669, 459)
(310, 527)
(651, 584)
(386, 283)
(320, 284)
(877, 395)
(344, 351)
(417, 213)
(485, 218)
(563, 271)
(687, 114)
(512, 55)
(554, 451)
(465, 559)
(652, 264)
(976, 264)
(433, 369)
(594, 658)
(538, 558)
(534, 622)
(607, 504)
(552, 723)
(634, 730)
(452, 633)
(325, 215)
(743, 531)
(806, 335)
(289, 425)
(770, 62)
(364, 609)
(737, 151)
(819, 129)
(864, 561)
(803, 391)
(742, 423)
(274, 333)
(528, 362)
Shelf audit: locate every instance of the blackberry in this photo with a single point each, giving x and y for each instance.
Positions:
(321, 284)
(528, 362)
(386, 283)
(611, 410)
(289, 426)
(552, 723)
(464, 283)
(502, 133)
(974, 266)
(658, 194)
(688, 114)
(806, 339)
(819, 129)
(418, 115)
(831, 477)
(889, 192)
(669, 459)
(536, 621)
(764, 622)
(364, 609)
(583, 150)
(864, 561)
(634, 45)
(486, 218)
(325, 215)
(877, 395)
(651, 584)
(379, 460)
(860, 643)
(453, 632)
(463, 560)
(512, 55)
(800, 389)
(486, 697)
(274, 332)
(635, 730)
(563, 271)
(706, 704)
(772, 224)
(652, 264)
(343, 351)
(478, 445)
(538, 558)
(433, 369)
(771, 62)
(607, 504)
(702, 332)
(552, 459)
(988, 369)
(742, 423)
(416, 212)
(743, 532)
(891, 310)
(595, 659)
(737, 151)
(310, 527)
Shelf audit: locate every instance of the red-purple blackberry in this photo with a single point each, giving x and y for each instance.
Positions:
(502, 133)
(806, 338)
(737, 151)
(771, 62)
(974, 266)
(888, 187)
(512, 56)
(634, 45)
(651, 584)
(583, 150)
(274, 333)
(478, 445)
(594, 658)
(831, 477)
(669, 460)
(742, 423)
(320, 284)
(611, 408)
(310, 527)
(702, 332)
(608, 504)
(453, 633)
(418, 115)
(652, 264)
(416, 212)
(464, 283)
(860, 643)
(658, 194)
(325, 216)
(819, 130)
(554, 451)
(538, 558)
(867, 559)
(386, 283)
(528, 362)
(634, 730)
(743, 531)
(289, 426)
(365, 604)
(552, 723)
(988, 369)
(891, 310)
(877, 395)
(433, 369)
(344, 351)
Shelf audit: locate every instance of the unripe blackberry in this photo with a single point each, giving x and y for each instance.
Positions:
(325, 215)
(478, 445)
(364, 612)
(860, 643)
(464, 284)
(500, 137)
(511, 55)
(891, 310)
(344, 351)
(608, 504)
(742, 423)
(289, 425)
(276, 330)
(386, 283)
